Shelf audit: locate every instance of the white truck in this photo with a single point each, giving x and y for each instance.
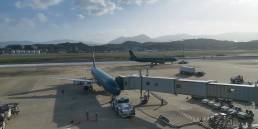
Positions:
(123, 107)
(187, 70)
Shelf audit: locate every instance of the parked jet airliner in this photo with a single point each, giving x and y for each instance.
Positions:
(101, 78)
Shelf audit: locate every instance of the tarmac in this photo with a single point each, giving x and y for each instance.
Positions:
(47, 103)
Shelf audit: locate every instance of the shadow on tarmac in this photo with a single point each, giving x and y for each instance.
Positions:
(179, 75)
(72, 104)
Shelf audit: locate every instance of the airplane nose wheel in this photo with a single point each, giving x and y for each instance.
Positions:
(85, 88)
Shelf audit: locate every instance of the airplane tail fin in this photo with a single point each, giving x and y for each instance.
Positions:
(132, 56)
(93, 58)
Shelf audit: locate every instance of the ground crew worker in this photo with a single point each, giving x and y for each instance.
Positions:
(96, 116)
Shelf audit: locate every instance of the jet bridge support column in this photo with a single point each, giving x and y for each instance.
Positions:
(256, 95)
(140, 73)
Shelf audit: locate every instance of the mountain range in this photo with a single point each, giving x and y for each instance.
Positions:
(237, 37)
(188, 44)
(138, 38)
(3, 44)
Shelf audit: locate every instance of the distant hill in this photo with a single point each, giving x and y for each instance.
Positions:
(197, 44)
(238, 37)
(176, 37)
(3, 44)
(139, 38)
(189, 44)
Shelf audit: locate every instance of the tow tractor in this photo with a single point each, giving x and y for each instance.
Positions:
(237, 79)
(123, 107)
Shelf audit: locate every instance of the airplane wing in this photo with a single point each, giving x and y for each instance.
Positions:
(75, 79)
(79, 81)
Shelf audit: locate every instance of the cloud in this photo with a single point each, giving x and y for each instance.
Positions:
(92, 7)
(137, 2)
(101, 7)
(96, 7)
(42, 17)
(37, 4)
(7, 20)
(25, 22)
(80, 16)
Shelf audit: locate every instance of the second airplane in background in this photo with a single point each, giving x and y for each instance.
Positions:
(152, 60)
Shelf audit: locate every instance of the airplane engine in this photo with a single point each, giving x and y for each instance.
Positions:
(77, 82)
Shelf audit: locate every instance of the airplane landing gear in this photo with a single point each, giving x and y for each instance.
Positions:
(88, 88)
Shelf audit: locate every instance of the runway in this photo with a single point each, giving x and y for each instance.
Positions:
(128, 62)
(63, 64)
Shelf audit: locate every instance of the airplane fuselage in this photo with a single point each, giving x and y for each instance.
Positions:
(151, 59)
(155, 60)
(105, 80)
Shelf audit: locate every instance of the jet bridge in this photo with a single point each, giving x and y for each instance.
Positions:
(195, 88)
(159, 84)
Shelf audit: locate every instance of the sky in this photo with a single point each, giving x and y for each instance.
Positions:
(104, 20)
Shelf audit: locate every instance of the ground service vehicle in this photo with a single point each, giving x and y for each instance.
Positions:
(7, 111)
(123, 107)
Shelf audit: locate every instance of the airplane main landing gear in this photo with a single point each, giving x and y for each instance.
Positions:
(88, 88)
